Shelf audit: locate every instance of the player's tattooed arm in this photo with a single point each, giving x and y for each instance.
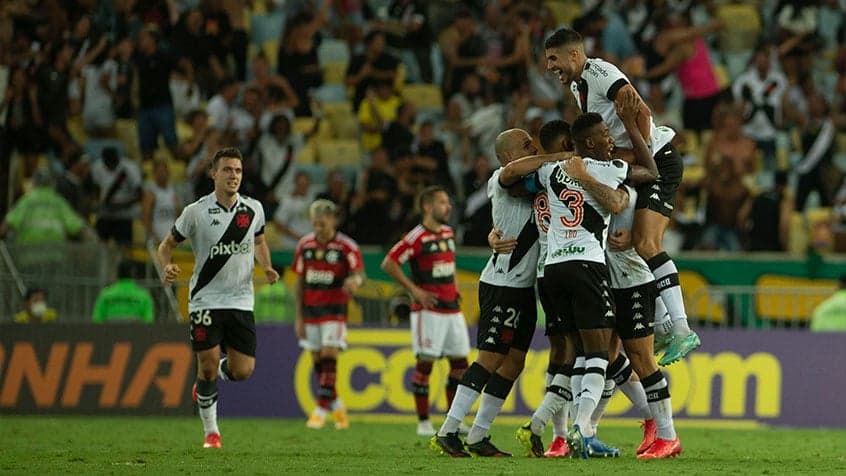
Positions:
(517, 169)
(613, 200)
(645, 170)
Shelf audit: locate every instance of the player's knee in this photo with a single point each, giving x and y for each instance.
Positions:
(512, 366)
(243, 371)
(490, 361)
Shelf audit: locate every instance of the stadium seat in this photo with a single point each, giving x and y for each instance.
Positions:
(317, 173)
(741, 26)
(271, 52)
(331, 92)
(333, 73)
(127, 132)
(331, 51)
(564, 11)
(307, 155)
(778, 302)
(94, 147)
(334, 153)
(76, 130)
(267, 27)
(424, 96)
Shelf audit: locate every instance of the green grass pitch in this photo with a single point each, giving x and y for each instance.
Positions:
(146, 445)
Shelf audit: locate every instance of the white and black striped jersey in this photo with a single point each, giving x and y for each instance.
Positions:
(223, 241)
(626, 267)
(595, 92)
(515, 217)
(542, 218)
(578, 225)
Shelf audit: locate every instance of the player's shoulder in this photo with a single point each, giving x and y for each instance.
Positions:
(204, 202)
(413, 235)
(346, 241)
(598, 67)
(306, 240)
(251, 202)
(447, 231)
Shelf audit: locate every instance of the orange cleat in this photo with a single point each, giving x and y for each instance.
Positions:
(558, 448)
(212, 441)
(342, 421)
(316, 421)
(650, 434)
(662, 449)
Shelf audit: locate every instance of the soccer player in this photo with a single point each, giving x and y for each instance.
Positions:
(329, 269)
(596, 85)
(438, 328)
(508, 307)
(226, 230)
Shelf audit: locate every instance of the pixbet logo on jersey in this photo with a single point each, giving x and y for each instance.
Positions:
(231, 248)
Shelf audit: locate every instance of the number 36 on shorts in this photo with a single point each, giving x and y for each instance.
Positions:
(201, 318)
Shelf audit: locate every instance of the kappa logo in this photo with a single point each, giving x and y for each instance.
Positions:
(214, 222)
(490, 340)
(654, 196)
(492, 330)
(609, 314)
(495, 320)
(639, 327)
(638, 315)
(637, 305)
(635, 295)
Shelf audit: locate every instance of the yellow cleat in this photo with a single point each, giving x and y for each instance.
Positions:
(342, 421)
(316, 421)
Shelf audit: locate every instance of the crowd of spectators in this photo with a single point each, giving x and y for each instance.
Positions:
(123, 102)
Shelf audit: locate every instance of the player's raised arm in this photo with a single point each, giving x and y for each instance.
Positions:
(628, 107)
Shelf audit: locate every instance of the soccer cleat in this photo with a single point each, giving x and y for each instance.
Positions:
(661, 343)
(576, 443)
(449, 445)
(530, 441)
(463, 430)
(598, 449)
(194, 396)
(679, 348)
(662, 449)
(425, 428)
(316, 421)
(342, 421)
(212, 441)
(650, 434)
(558, 448)
(485, 448)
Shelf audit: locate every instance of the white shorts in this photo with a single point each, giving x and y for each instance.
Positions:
(325, 334)
(438, 334)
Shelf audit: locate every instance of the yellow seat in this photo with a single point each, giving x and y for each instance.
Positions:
(76, 130)
(127, 132)
(334, 153)
(564, 12)
(787, 298)
(308, 154)
(797, 241)
(424, 96)
(271, 52)
(334, 73)
(741, 26)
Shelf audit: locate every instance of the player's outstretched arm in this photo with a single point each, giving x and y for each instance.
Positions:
(517, 169)
(170, 271)
(263, 257)
(613, 200)
(628, 108)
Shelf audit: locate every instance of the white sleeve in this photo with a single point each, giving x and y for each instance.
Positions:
(259, 219)
(605, 77)
(611, 173)
(544, 173)
(185, 223)
(494, 187)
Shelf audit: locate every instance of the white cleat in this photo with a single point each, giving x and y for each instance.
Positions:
(425, 428)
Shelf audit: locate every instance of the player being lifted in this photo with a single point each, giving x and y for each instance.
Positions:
(329, 269)
(507, 303)
(438, 328)
(595, 83)
(226, 231)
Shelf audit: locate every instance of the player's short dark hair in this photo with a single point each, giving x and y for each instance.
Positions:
(582, 124)
(551, 132)
(427, 195)
(226, 153)
(561, 37)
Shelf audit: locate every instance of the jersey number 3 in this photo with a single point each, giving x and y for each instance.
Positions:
(572, 199)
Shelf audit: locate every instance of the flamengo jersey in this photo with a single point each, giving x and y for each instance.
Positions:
(224, 251)
(578, 224)
(626, 267)
(323, 268)
(599, 83)
(432, 260)
(542, 219)
(514, 216)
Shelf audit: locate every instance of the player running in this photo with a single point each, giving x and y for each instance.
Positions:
(226, 231)
(438, 328)
(329, 270)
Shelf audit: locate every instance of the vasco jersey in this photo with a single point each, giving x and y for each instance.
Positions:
(626, 267)
(578, 224)
(542, 219)
(515, 217)
(224, 251)
(595, 92)
(323, 268)
(431, 256)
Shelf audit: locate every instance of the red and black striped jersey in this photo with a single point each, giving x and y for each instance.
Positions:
(431, 256)
(323, 267)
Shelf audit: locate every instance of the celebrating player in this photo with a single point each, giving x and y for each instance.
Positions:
(329, 269)
(438, 328)
(227, 236)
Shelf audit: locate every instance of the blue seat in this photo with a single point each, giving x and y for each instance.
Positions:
(267, 27)
(94, 148)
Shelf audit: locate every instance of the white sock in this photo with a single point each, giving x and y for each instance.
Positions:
(607, 393)
(576, 384)
(593, 384)
(663, 324)
(554, 401)
(221, 375)
(634, 391)
(680, 327)
(667, 279)
(207, 405)
(560, 417)
(660, 405)
(489, 408)
(336, 404)
(464, 399)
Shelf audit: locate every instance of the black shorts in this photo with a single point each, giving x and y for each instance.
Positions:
(508, 318)
(635, 310)
(580, 294)
(225, 327)
(554, 325)
(660, 195)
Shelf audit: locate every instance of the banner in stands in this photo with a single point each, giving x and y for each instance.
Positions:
(95, 369)
(748, 377)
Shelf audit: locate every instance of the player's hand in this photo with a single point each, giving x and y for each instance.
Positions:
(499, 244)
(271, 275)
(575, 167)
(352, 283)
(171, 272)
(299, 328)
(628, 105)
(427, 299)
(620, 240)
